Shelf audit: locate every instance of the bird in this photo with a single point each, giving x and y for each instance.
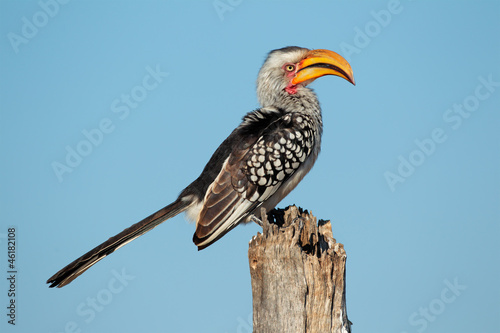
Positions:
(256, 166)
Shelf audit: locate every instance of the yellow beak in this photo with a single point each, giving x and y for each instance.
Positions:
(322, 62)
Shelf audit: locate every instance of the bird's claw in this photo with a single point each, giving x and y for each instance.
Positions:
(257, 220)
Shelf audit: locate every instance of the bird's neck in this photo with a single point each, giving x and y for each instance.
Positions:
(304, 100)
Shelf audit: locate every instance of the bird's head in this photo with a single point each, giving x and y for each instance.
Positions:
(287, 71)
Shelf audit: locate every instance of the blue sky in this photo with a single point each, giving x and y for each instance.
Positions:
(144, 92)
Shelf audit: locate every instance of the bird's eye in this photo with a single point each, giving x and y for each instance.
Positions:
(289, 68)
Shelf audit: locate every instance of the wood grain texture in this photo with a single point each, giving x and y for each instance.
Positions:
(298, 275)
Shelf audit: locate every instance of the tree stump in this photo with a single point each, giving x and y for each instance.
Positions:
(298, 275)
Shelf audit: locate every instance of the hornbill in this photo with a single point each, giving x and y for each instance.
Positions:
(256, 166)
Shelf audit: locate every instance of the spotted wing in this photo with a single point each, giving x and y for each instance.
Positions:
(255, 169)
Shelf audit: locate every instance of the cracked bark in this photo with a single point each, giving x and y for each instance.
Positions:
(298, 275)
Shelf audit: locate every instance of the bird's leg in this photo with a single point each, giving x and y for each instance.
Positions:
(257, 220)
(264, 217)
(274, 216)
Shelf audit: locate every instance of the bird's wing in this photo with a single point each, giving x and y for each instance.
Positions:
(254, 170)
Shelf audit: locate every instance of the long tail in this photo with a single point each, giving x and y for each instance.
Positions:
(80, 265)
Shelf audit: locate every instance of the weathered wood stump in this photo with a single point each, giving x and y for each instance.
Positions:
(298, 275)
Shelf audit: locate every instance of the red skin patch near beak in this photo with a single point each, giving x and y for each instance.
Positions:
(291, 89)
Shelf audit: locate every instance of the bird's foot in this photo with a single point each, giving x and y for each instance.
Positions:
(257, 220)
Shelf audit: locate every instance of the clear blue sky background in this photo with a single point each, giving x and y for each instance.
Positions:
(436, 226)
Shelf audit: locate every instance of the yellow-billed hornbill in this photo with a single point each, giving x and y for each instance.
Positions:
(258, 164)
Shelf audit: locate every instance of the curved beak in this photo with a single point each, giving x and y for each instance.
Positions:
(322, 62)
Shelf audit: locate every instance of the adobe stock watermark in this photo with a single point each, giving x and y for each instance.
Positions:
(121, 108)
(92, 306)
(223, 6)
(453, 117)
(245, 326)
(428, 314)
(32, 25)
(363, 36)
